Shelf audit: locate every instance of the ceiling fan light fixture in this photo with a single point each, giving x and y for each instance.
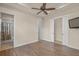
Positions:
(44, 9)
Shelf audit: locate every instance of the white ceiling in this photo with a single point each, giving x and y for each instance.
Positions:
(27, 7)
(49, 5)
(37, 5)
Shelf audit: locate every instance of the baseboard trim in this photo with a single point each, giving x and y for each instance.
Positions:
(25, 43)
(47, 40)
(64, 45)
(58, 42)
(72, 47)
(43, 40)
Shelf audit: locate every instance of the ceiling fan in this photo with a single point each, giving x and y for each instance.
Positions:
(43, 9)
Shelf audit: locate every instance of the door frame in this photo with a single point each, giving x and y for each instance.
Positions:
(13, 25)
(64, 29)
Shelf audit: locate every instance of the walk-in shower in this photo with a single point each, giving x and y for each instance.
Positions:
(6, 31)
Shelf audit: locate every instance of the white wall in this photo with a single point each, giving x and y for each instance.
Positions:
(58, 29)
(48, 29)
(26, 27)
(40, 29)
(71, 34)
(74, 33)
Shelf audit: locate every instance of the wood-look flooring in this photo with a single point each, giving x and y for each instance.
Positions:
(6, 45)
(41, 48)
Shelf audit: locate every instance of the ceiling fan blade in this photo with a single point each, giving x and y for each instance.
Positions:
(50, 9)
(39, 12)
(45, 12)
(36, 8)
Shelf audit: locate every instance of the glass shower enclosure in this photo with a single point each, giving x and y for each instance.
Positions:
(6, 31)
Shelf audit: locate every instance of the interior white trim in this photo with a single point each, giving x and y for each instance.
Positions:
(52, 29)
(64, 29)
(25, 43)
(0, 29)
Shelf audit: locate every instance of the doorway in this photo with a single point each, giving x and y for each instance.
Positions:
(7, 31)
(58, 37)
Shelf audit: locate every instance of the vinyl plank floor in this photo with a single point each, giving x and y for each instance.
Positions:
(41, 48)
